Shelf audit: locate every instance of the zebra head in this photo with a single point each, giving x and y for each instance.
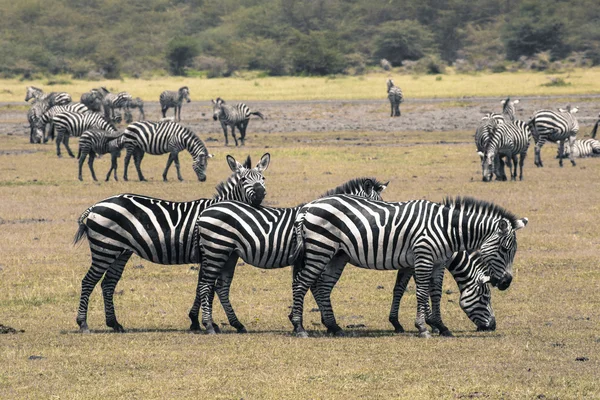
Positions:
(390, 84)
(217, 108)
(184, 93)
(247, 184)
(199, 165)
(33, 93)
(369, 188)
(488, 155)
(498, 251)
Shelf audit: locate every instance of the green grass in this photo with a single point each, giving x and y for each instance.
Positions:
(371, 86)
(546, 320)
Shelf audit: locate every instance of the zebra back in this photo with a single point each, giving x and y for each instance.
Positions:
(74, 124)
(508, 109)
(554, 125)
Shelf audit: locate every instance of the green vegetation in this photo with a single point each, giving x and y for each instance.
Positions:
(107, 39)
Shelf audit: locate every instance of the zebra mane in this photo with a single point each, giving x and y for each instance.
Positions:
(220, 100)
(506, 105)
(354, 186)
(472, 205)
(223, 188)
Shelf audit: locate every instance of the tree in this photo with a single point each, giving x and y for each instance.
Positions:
(397, 41)
(181, 53)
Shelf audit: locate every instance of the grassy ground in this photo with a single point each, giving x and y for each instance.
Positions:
(371, 86)
(547, 320)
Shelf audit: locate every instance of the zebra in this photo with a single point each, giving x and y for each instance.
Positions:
(164, 137)
(595, 129)
(510, 139)
(416, 234)
(234, 116)
(48, 116)
(395, 97)
(34, 114)
(583, 148)
(69, 123)
(548, 125)
(135, 103)
(53, 98)
(482, 133)
(263, 237)
(97, 142)
(174, 99)
(92, 100)
(114, 101)
(157, 230)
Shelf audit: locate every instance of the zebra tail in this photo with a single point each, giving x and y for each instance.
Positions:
(258, 114)
(534, 132)
(595, 129)
(82, 230)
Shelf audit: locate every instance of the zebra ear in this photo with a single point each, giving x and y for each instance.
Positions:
(210, 155)
(383, 186)
(574, 110)
(504, 227)
(263, 164)
(213, 101)
(521, 223)
(233, 164)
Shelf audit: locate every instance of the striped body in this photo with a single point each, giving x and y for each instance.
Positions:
(583, 148)
(234, 116)
(174, 99)
(263, 237)
(114, 101)
(507, 139)
(157, 230)
(160, 138)
(92, 100)
(95, 142)
(34, 114)
(395, 97)
(53, 98)
(552, 126)
(70, 123)
(135, 103)
(419, 235)
(48, 117)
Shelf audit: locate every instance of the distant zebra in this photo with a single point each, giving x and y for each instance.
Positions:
(234, 116)
(135, 103)
(53, 98)
(69, 123)
(93, 99)
(552, 126)
(158, 138)
(174, 99)
(510, 139)
(97, 142)
(48, 116)
(416, 234)
(157, 230)
(470, 275)
(263, 237)
(34, 114)
(395, 97)
(583, 148)
(114, 101)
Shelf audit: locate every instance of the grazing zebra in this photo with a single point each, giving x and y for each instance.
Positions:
(159, 231)
(70, 123)
(234, 116)
(48, 116)
(485, 127)
(583, 148)
(160, 138)
(510, 139)
(92, 100)
(114, 101)
(174, 99)
(552, 126)
(263, 237)
(416, 234)
(97, 142)
(395, 97)
(135, 103)
(34, 114)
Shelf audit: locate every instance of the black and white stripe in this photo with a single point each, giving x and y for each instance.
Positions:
(507, 139)
(583, 148)
(174, 99)
(53, 98)
(552, 126)
(416, 234)
(261, 236)
(94, 99)
(135, 103)
(115, 101)
(234, 116)
(48, 116)
(70, 123)
(95, 142)
(160, 138)
(395, 97)
(157, 230)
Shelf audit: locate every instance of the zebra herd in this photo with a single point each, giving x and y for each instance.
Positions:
(95, 119)
(475, 240)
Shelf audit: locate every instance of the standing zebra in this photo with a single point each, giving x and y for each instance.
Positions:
(135, 103)
(510, 139)
(93, 100)
(113, 101)
(160, 138)
(263, 237)
(395, 97)
(548, 125)
(416, 234)
(69, 123)
(583, 148)
(53, 98)
(159, 231)
(48, 117)
(234, 116)
(97, 142)
(174, 99)
(34, 114)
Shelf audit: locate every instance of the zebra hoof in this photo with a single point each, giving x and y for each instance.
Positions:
(446, 333)
(425, 335)
(216, 328)
(302, 334)
(84, 330)
(242, 330)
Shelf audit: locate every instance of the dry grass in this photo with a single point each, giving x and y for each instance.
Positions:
(546, 320)
(371, 86)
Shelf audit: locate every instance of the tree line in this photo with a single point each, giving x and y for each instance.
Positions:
(141, 38)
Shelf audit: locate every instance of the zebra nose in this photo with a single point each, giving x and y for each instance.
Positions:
(215, 117)
(491, 326)
(259, 193)
(505, 281)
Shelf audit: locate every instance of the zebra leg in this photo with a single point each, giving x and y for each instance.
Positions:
(242, 130)
(561, 152)
(572, 148)
(538, 152)
(138, 155)
(128, 155)
(164, 111)
(397, 109)
(82, 157)
(205, 291)
(222, 289)
(169, 161)
(423, 271)
(402, 279)
(111, 278)
(224, 127)
(91, 165)
(59, 139)
(392, 108)
(521, 162)
(434, 318)
(513, 175)
(66, 143)
(322, 289)
(113, 167)
(233, 134)
(178, 167)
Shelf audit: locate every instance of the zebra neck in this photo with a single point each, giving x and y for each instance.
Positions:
(468, 231)
(194, 146)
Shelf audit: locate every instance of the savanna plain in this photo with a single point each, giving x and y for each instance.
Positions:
(547, 341)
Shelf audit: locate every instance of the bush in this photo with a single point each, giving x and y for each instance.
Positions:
(316, 53)
(181, 53)
(356, 64)
(215, 67)
(397, 41)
